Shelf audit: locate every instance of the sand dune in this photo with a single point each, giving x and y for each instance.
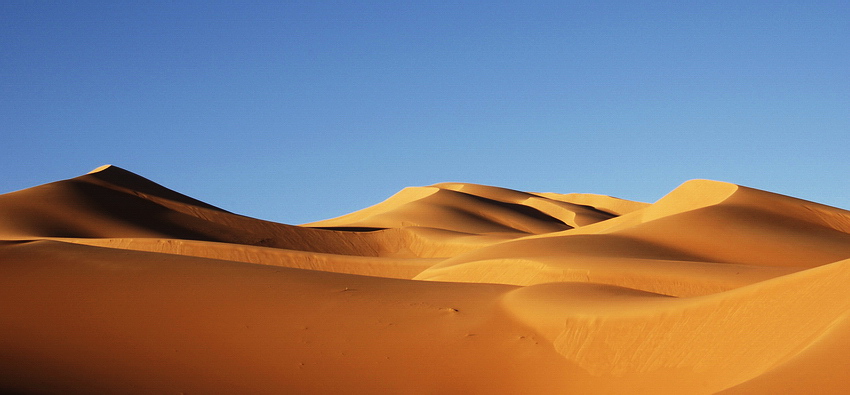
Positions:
(111, 283)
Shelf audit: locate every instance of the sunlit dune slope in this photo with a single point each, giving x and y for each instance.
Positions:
(112, 283)
(703, 237)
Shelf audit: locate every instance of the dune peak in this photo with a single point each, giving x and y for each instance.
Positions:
(690, 195)
(101, 168)
(115, 177)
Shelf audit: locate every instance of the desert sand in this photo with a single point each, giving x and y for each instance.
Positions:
(111, 283)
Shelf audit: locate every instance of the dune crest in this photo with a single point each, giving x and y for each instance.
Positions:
(691, 195)
(110, 282)
(100, 168)
(472, 208)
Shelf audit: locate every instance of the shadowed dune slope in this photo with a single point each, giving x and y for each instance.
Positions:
(472, 208)
(111, 202)
(112, 283)
(608, 204)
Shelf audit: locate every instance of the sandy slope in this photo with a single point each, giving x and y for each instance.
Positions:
(112, 283)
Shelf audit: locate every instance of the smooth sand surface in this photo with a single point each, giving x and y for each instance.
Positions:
(111, 283)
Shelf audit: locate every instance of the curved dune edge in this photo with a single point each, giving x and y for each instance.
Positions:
(665, 277)
(710, 343)
(112, 283)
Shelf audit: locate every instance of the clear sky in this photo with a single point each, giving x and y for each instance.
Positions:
(307, 110)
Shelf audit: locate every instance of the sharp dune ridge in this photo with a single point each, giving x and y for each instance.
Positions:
(112, 283)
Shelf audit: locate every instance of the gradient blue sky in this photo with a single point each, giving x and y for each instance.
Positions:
(302, 111)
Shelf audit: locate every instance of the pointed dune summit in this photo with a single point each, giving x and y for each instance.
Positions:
(448, 288)
(114, 177)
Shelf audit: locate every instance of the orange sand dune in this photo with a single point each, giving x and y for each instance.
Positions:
(473, 208)
(111, 283)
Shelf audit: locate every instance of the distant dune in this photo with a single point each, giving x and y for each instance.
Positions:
(111, 283)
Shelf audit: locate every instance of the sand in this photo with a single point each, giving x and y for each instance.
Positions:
(111, 283)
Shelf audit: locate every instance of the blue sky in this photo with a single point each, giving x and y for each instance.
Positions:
(302, 111)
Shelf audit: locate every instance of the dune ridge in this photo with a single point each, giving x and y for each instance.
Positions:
(110, 282)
